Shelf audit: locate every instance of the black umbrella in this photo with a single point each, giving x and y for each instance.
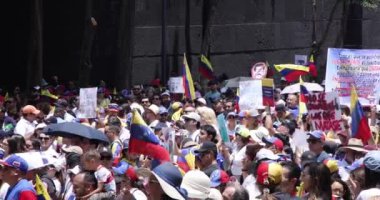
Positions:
(68, 129)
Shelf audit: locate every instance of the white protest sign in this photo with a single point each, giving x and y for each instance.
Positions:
(300, 140)
(251, 94)
(176, 85)
(87, 102)
(358, 67)
(300, 60)
(324, 111)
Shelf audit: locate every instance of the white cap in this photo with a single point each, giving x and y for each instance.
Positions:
(266, 154)
(41, 125)
(202, 101)
(192, 115)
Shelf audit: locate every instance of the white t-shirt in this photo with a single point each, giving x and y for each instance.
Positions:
(195, 135)
(250, 185)
(368, 194)
(104, 176)
(3, 190)
(25, 128)
(237, 164)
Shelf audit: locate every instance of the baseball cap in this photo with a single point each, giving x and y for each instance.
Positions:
(176, 105)
(266, 154)
(207, 146)
(15, 162)
(162, 110)
(308, 157)
(72, 149)
(252, 113)
(331, 164)
(231, 114)
(29, 109)
(202, 101)
(278, 144)
(218, 177)
(165, 93)
(243, 132)
(61, 103)
(193, 116)
(269, 173)
(317, 135)
(113, 107)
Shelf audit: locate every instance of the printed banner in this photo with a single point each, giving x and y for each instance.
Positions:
(324, 111)
(87, 102)
(176, 85)
(255, 93)
(361, 68)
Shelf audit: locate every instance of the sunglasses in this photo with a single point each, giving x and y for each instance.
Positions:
(145, 102)
(312, 141)
(44, 138)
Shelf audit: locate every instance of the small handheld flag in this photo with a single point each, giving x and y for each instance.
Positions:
(42, 193)
(144, 141)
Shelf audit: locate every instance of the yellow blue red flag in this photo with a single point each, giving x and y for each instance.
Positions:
(187, 80)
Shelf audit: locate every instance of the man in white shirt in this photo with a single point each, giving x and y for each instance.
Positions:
(25, 126)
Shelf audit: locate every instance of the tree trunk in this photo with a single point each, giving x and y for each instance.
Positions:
(35, 58)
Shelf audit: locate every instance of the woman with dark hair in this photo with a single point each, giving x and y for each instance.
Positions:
(207, 133)
(372, 176)
(15, 144)
(340, 190)
(316, 181)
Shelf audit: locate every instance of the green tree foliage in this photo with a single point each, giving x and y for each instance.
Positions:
(373, 4)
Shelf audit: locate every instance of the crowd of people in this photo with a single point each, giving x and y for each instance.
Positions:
(258, 160)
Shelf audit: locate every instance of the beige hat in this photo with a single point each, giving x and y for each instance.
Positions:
(355, 144)
(197, 184)
(192, 115)
(155, 109)
(73, 149)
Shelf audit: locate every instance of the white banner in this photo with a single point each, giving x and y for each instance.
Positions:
(87, 102)
(176, 85)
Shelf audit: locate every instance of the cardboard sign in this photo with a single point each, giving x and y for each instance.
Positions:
(361, 68)
(256, 93)
(324, 111)
(176, 85)
(259, 70)
(87, 102)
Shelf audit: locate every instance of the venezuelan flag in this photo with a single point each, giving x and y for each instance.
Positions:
(187, 80)
(359, 124)
(187, 161)
(292, 72)
(42, 193)
(143, 141)
(312, 67)
(303, 99)
(205, 68)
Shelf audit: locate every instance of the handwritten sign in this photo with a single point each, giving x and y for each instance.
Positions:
(324, 111)
(176, 85)
(87, 102)
(361, 68)
(255, 93)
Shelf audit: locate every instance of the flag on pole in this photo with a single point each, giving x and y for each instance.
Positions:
(42, 193)
(144, 141)
(359, 124)
(312, 67)
(187, 80)
(303, 99)
(292, 72)
(205, 68)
